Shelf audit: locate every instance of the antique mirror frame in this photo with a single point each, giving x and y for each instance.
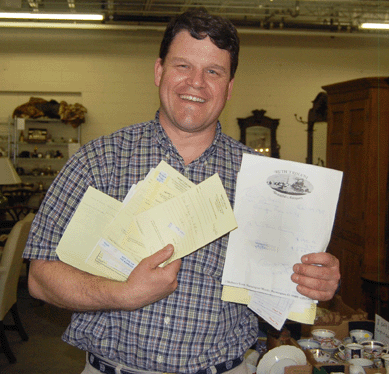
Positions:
(266, 141)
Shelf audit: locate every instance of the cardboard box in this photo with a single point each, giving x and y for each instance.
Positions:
(340, 318)
(306, 369)
(342, 330)
(335, 315)
(329, 368)
(299, 369)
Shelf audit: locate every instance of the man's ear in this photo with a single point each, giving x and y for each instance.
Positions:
(230, 85)
(158, 68)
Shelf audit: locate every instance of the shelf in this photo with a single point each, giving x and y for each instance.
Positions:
(47, 144)
(44, 120)
(32, 159)
(37, 176)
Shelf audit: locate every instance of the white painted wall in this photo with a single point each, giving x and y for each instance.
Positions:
(111, 74)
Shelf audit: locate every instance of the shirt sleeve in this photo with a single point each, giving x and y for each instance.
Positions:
(57, 208)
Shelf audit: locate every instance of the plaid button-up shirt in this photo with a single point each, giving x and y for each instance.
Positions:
(189, 330)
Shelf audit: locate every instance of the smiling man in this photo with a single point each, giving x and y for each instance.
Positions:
(194, 82)
(170, 319)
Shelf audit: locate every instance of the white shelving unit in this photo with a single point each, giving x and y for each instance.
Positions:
(6, 138)
(39, 161)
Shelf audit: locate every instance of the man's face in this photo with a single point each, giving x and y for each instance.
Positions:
(194, 83)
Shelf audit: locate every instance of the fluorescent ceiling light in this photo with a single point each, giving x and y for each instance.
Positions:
(53, 16)
(375, 26)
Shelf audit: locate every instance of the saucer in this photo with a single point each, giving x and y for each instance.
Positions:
(364, 362)
(274, 361)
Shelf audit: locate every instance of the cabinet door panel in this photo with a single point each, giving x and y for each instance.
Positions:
(350, 259)
(351, 287)
(355, 170)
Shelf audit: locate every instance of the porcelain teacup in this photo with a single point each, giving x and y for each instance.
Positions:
(358, 336)
(352, 350)
(308, 344)
(373, 348)
(322, 334)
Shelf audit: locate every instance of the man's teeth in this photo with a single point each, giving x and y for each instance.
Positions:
(192, 98)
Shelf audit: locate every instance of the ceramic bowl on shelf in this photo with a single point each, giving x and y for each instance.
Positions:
(322, 334)
(308, 344)
(330, 345)
(320, 356)
(359, 336)
(347, 340)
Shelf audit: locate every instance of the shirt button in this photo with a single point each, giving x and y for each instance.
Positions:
(159, 358)
(167, 320)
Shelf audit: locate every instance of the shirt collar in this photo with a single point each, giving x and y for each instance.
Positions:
(165, 142)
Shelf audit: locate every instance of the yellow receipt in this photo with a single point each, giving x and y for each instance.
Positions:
(189, 221)
(117, 237)
(121, 244)
(94, 212)
(161, 184)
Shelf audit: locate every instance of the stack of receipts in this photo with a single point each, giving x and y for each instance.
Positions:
(284, 210)
(109, 238)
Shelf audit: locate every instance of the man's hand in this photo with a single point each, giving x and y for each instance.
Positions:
(318, 276)
(67, 287)
(149, 282)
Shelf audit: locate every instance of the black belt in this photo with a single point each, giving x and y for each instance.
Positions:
(107, 368)
(223, 367)
(104, 366)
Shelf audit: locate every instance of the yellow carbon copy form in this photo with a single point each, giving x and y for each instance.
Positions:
(113, 242)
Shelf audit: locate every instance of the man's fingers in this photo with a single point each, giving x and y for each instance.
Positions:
(318, 265)
(315, 294)
(321, 258)
(317, 276)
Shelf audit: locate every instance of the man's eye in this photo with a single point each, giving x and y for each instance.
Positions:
(213, 72)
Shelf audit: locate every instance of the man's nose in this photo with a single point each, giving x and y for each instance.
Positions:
(196, 78)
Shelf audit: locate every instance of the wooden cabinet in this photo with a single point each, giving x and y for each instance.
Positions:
(357, 144)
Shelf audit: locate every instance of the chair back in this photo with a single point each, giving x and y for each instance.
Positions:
(11, 263)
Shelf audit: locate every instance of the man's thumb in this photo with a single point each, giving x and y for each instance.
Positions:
(162, 255)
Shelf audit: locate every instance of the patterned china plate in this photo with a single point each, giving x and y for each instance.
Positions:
(274, 361)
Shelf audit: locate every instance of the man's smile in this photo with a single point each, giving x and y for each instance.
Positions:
(192, 98)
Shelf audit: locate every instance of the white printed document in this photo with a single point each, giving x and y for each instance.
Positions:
(284, 210)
